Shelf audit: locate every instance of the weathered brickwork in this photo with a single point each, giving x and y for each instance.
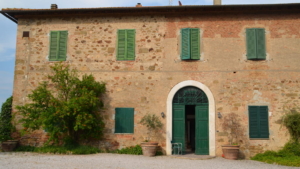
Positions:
(145, 83)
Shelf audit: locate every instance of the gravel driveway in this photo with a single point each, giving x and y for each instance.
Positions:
(118, 161)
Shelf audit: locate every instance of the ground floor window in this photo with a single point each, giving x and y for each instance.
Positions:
(258, 122)
(124, 120)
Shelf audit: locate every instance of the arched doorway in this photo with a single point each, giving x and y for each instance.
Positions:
(190, 120)
(211, 114)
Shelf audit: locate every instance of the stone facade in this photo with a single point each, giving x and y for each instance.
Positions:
(145, 83)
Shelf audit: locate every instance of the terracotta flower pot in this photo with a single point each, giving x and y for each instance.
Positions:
(231, 152)
(149, 148)
(9, 145)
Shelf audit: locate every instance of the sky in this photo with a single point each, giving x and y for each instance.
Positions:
(8, 28)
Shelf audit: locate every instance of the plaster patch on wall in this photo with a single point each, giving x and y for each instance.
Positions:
(257, 96)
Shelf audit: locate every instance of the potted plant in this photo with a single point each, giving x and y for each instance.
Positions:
(153, 124)
(232, 125)
(6, 127)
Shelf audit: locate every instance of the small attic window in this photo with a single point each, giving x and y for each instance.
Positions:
(25, 34)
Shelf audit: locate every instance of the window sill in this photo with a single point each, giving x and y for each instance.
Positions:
(259, 138)
(125, 60)
(56, 60)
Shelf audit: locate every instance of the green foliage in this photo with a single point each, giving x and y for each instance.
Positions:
(25, 149)
(293, 148)
(159, 153)
(80, 149)
(65, 106)
(6, 126)
(67, 150)
(289, 155)
(136, 150)
(152, 122)
(292, 121)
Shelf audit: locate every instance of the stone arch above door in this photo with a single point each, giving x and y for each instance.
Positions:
(212, 114)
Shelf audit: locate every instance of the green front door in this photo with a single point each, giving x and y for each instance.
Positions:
(179, 125)
(195, 97)
(201, 119)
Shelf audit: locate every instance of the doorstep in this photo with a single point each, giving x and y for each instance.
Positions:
(193, 157)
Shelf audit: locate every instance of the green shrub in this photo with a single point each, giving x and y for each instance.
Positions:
(136, 150)
(6, 126)
(292, 147)
(65, 106)
(289, 155)
(292, 121)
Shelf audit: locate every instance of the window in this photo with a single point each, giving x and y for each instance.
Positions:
(190, 44)
(126, 44)
(256, 44)
(124, 120)
(58, 45)
(258, 122)
(25, 34)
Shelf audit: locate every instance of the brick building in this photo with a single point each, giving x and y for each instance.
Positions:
(194, 64)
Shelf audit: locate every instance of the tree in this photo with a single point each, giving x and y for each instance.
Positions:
(153, 124)
(67, 108)
(6, 126)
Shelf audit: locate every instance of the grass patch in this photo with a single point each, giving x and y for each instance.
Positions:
(289, 156)
(80, 149)
(159, 153)
(25, 149)
(135, 150)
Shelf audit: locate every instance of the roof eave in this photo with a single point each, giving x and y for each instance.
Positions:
(159, 10)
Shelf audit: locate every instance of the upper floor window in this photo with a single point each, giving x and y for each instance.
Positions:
(256, 44)
(190, 44)
(58, 45)
(126, 44)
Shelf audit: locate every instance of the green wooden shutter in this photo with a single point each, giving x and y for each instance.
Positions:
(122, 49)
(258, 122)
(185, 43)
(118, 120)
(260, 43)
(263, 122)
(202, 133)
(124, 120)
(129, 120)
(195, 42)
(251, 43)
(253, 122)
(130, 44)
(178, 128)
(54, 46)
(62, 51)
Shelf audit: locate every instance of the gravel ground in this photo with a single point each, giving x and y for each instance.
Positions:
(118, 161)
